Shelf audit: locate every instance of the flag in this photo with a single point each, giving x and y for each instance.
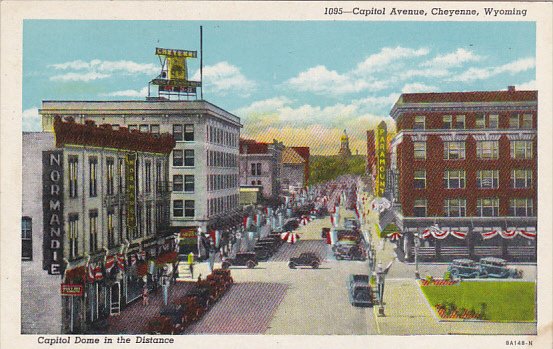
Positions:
(90, 274)
(110, 262)
(121, 261)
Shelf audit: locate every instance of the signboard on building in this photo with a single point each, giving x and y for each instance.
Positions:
(381, 149)
(73, 290)
(130, 174)
(174, 72)
(52, 209)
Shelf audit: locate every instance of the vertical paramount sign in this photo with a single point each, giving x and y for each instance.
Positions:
(52, 204)
(381, 148)
(131, 191)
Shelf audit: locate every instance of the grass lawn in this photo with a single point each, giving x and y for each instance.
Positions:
(506, 301)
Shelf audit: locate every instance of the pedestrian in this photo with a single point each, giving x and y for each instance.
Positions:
(165, 281)
(145, 300)
(191, 264)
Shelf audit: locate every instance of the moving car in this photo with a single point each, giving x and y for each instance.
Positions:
(324, 232)
(305, 259)
(497, 268)
(352, 224)
(247, 259)
(349, 249)
(464, 268)
(360, 291)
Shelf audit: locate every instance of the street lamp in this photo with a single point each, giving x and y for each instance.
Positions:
(380, 280)
(417, 245)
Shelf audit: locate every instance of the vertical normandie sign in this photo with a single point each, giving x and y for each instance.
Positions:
(381, 148)
(52, 206)
(131, 191)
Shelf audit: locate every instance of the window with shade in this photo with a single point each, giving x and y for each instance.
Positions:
(419, 208)
(487, 179)
(419, 150)
(521, 178)
(521, 149)
(454, 150)
(26, 239)
(521, 207)
(454, 179)
(93, 176)
(487, 150)
(487, 207)
(419, 179)
(455, 207)
(419, 123)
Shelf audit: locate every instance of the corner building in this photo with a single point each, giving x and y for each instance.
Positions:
(203, 166)
(463, 174)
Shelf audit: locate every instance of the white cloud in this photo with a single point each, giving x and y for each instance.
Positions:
(418, 87)
(320, 80)
(381, 60)
(427, 72)
(97, 69)
(530, 85)
(88, 76)
(453, 59)
(223, 78)
(31, 120)
(514, 67)
(129, 93)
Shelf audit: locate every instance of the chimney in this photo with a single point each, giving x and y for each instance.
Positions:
(511, 88)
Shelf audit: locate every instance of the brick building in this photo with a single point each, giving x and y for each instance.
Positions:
(295, 167)
(463, 173)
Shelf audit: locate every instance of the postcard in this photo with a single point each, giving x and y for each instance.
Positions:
(276, 174)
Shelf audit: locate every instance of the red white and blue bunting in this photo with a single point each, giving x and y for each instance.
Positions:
(509, 234)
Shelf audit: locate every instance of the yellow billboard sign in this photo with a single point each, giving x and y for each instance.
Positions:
(176, 68)
(381, 149)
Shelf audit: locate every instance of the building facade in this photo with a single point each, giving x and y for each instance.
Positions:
(203, 167)
(463, 174)
(260, 165)
(293, 169)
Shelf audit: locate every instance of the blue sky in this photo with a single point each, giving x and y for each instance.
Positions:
(300, 82)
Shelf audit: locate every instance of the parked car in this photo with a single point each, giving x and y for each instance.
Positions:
(349, 249)
(464, 268)
(305, 259)
(352, 224)
(290, 225)
(497, 268)
(360, 291)
(247, 259)
(262, 253)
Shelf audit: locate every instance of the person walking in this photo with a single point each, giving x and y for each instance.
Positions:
(164, 280)
(145, 300)
(191, 264)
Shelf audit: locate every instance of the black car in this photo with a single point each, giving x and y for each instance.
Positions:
(269, 243)
(305, 259)
(247, 259)
(290, 225)
(262, 253)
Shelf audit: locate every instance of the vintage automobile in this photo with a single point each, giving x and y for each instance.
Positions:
(351, 224)
(262, 252)
(349, 249)
(269, 243)
(247, 259)
(305, 259)
(360, 291)
(276, 238)
(464, 268)
(497, 268)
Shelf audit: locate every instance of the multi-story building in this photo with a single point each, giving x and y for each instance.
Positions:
(204, 165)
(295, 167)
(260, 165)
(104, 213)
(371, 153)
(463, 173)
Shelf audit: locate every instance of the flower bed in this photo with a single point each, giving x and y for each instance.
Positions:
(450, 311)
(438, 282)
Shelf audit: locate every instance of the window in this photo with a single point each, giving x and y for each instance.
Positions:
(93, 231)
(487, 179)
(487, 149)
(521, 207)
(177, 132)
(419, 150)
(159, 178)
(178, 208)
(258, 182)
(487, 207)
(521, 149)
(419, 208)
(73, 175)
(253, 182)
(148, 219)
(120, 170)
(254, 169)
(115, 127)
(178, 157)
(454, 179)
(454, 150)
(514, 121)
(527, 121)
(189, 210)
(110, 182)
(447, 121)
(133, 127)
(419, 123)
(148, 176)
(480, 121)
(419, 179)
(189, 157)
(144, 128)
(154, 129)
(460, 122)
(26, 239)
(110, 229)
(73, 235)
(493, 121)
(189, 183)
(189, 132)
(177, 183)
(455, 207)
(521, 178)
(93, 181)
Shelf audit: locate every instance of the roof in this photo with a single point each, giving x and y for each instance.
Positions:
(250, 146)
(72, 133)
(303, 152)
(290, 156)
(476, 96)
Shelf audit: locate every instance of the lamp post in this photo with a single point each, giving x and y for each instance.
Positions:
(417, 245)
(380, 280)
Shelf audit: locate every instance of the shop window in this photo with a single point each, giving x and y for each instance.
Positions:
(487, 179)
(487, 207)
(521, 149)
(455, 207)
(521, 178)
(487, 150)
(454, 179)
(521, 207)
(26, 239)
(419, 150)
(454, 150)
(189, 209)
(419, 179)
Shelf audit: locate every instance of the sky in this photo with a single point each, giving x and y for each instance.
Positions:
(302, 83)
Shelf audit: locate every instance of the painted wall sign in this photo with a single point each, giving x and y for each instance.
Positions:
(52, 205)
(381, 148)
